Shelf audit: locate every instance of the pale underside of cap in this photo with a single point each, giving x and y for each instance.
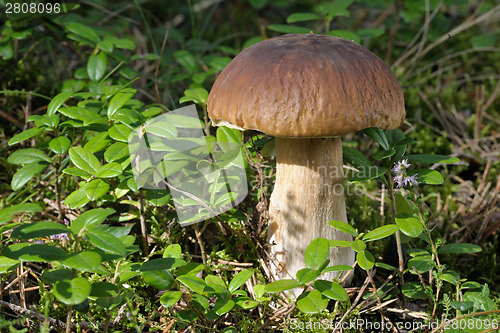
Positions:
(306, 85)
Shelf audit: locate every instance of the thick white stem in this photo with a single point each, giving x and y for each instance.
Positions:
(308, 193)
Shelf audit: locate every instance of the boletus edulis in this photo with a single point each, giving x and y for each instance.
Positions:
(306, 90)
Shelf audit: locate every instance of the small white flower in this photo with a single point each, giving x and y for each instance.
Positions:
(401, 179)
(411, 180)
(59, 237)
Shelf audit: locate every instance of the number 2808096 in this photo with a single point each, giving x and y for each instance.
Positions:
(32, 8)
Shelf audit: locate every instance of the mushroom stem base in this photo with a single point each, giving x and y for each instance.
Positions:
(308, 193)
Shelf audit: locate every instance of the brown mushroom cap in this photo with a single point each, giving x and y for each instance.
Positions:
(306, 85)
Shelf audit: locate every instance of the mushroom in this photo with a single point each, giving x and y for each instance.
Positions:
(306, 90)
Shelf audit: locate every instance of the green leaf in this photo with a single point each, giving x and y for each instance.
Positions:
(427, 176)
(96, 66)
(385, 266)
(85, 160)
(346, 34)
(104, 289)
(381, 154)
(460, 248)
(109, 170)
(186, 60)
(39, 229)
(122, 43)
(90, 219)
(98, 142)
(86, 261)
(344, 227)
(129, 117)
(365, 260)
(317, 253)
(45, 120)
(26, 173)
(216, 281)
(222, 307)
(403, 142)
(82, 30)
(312, 302)
(403, 207)
(414, 290)
(51, 276)
(379, 233)
(82, 114)
(305, 275)
(183, 121)
(72, 292)
(240, 279)
(281, 285)
(451, 277)
(378, 136)
(331, 290)
(106, 242)
(196, 95)
(358, 245)
(462, 306)
(422, 264)
(245, 303)
(96, 189)
(370, 33)
(120, 132)
(163, 129)
(300, 17)
(60, 145)
(471, 285)
(410, 226)
(406, 219)
(116, 151)
(34, 252)
(8, 213)
(158, 197)
(77, 199)
(228, 139)
(289, 29)
(356, 158)
(336, 8)
(28, 155)
(173, 251)
(431, 158)
(7, 264)
(191, 268)
(6, 51)
(159, 264)
(337, 268)
(158, 279)
(170, 298)
(194, 283)
(29, 133)
(57, 101)
(119, 100)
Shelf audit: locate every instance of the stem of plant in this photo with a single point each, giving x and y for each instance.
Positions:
(398, 234)
(144, 230)
(200, 243)
(68, 320)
